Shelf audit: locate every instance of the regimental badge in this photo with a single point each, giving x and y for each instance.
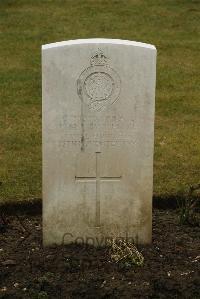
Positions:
(98, 85)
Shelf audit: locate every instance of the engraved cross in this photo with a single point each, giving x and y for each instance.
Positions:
(98, 179)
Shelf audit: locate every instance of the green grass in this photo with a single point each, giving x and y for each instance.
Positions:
(171, 25)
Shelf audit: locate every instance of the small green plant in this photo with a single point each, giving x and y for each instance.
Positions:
(188, 206)
(125, 253)
(34, 294)
(43, 295)
(46, 278)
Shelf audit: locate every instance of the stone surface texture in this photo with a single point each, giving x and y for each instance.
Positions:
(98, 136)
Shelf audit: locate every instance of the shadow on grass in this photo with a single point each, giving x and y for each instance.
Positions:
(34, 206)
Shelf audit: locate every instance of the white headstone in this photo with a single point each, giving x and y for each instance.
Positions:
(98, 135)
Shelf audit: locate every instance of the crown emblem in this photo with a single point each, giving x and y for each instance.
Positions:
(98, 58)
(98, 85)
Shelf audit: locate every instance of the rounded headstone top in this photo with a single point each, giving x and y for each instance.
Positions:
(98, 41)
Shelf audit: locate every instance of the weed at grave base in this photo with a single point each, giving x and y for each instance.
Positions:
(188, 207)
(125, 254)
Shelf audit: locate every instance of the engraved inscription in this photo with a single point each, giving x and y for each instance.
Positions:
(97, 179)
(98, 85)
(118, 122)
(109, 131)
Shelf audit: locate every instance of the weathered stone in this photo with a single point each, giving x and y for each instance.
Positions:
(98, 134)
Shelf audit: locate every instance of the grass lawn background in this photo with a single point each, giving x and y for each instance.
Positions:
(173, 26)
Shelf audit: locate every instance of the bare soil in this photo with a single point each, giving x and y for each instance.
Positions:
(27, 270)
